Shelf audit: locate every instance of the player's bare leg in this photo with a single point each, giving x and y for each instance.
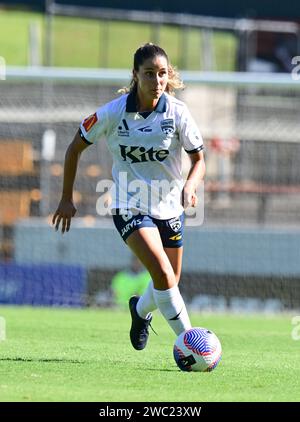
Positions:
(147, 246)
(146, 303)
(175, 258)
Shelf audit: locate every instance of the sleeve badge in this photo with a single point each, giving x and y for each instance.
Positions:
(89, 122)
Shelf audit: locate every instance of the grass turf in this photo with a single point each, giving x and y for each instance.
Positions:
(85, 355)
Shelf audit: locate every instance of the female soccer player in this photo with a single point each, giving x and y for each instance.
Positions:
(146, 129)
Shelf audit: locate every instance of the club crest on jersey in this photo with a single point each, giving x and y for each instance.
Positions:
(175, 225)
(89, 122)
(167, 126)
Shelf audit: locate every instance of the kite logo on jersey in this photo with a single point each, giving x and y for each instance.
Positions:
(167, 126)
(89, 122)
(141, 154)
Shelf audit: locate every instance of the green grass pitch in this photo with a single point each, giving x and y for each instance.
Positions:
(84, 355)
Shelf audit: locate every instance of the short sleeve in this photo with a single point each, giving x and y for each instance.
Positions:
(93, 127)
(189, 133)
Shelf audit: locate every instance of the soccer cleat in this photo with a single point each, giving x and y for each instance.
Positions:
(139, 331)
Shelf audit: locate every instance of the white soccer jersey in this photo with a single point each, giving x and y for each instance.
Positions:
(146, 152)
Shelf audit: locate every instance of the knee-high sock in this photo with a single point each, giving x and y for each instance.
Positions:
(146, 303)
(171, 305)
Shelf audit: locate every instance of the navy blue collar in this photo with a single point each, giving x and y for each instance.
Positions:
(161, 106)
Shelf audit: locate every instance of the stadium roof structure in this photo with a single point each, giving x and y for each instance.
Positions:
(161, 16)
(270, 9)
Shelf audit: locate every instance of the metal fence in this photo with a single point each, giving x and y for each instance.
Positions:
(250, 125)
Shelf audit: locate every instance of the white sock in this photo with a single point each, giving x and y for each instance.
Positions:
(171, 305)
(146, 303)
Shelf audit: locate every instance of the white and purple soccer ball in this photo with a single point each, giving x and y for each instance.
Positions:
(197, 349)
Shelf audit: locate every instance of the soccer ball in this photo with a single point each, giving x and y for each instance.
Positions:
(197, 349)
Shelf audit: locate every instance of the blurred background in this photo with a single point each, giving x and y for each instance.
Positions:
(61, 60)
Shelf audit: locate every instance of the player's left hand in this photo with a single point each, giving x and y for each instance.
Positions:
(189, 198)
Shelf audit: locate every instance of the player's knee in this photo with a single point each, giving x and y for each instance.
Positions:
(165, 278)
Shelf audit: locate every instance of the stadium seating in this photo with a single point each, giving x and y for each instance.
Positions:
(16, 163)
(16, 157)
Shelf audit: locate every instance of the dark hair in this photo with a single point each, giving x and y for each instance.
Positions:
(148, 51)
(145, 52)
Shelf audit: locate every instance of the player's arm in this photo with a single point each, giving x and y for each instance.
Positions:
(66, 209)
(195, 176)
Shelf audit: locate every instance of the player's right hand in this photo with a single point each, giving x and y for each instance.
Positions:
(65, 211)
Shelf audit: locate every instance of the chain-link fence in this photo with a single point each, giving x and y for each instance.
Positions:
(252, 149)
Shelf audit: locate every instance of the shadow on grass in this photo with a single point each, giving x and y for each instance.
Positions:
(159, 369)
(55, 360)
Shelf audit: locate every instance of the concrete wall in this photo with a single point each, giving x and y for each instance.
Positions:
(214, 250)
